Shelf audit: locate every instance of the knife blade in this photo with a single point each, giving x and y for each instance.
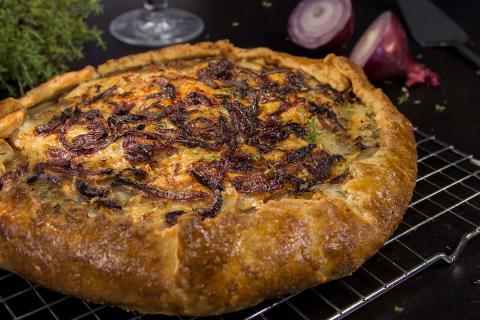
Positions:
(431, 27)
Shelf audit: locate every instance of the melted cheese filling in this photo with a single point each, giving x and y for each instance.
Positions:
(171, 169)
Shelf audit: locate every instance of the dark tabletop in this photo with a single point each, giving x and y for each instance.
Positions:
(443, 291)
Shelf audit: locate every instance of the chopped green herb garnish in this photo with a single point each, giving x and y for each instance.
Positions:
(404, 96)
(312, 133)
(349, 108)
(256, 156)
(440, 108)
(304, 115)
(158, 115)
(417, 101)
(51, 193)
(266, 4)
(268, 170)
(477, 282)
(211, 156)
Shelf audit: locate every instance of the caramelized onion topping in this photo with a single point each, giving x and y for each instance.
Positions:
(12, 176)
(211, 177)
(234, 121)
(89, 191)
(108, 203)
(174, 195)
(171, 217)
(256, 183)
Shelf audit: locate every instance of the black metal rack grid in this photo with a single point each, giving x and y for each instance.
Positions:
(445, 210)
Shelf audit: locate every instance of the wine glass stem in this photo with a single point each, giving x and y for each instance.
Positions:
(155, 5)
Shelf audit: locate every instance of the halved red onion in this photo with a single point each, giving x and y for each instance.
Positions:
(382, 51)
(318, 23)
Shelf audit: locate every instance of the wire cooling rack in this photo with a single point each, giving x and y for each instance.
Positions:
(443, 216)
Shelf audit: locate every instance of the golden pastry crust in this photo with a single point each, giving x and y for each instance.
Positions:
(202, 266)
(11, 122)
(56, 86)
(9, 105)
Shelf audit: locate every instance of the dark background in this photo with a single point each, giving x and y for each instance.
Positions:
(259, 26)
(442, 291)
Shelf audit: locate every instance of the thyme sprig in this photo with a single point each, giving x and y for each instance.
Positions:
(38, 38)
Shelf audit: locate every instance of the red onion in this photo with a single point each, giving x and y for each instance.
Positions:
(318, 23)
(382, 51)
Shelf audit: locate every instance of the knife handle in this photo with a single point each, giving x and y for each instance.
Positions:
(468, 53)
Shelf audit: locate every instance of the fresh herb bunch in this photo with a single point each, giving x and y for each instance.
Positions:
(39, 37)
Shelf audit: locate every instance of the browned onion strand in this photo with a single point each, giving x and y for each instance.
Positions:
(211, 177)
(139, 174)
(224, 132)
(300, 153)
(138, 150)
(172, 216)
(62, 166)
(256, 183)
(108, 203)
(214, 209)
(13, 176)
(158, 193)
(105, 94)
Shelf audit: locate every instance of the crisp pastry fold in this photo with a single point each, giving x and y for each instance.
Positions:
(200, 179)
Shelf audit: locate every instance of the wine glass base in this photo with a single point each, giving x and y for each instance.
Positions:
(156, 28)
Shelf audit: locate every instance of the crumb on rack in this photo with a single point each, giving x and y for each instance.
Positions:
(398, 309)
(440, 108)
(404, 96)
(266, 4)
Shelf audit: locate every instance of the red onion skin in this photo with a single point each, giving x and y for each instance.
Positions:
(391, 58)
(343, 36)
(336, 41)
(418, 73)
